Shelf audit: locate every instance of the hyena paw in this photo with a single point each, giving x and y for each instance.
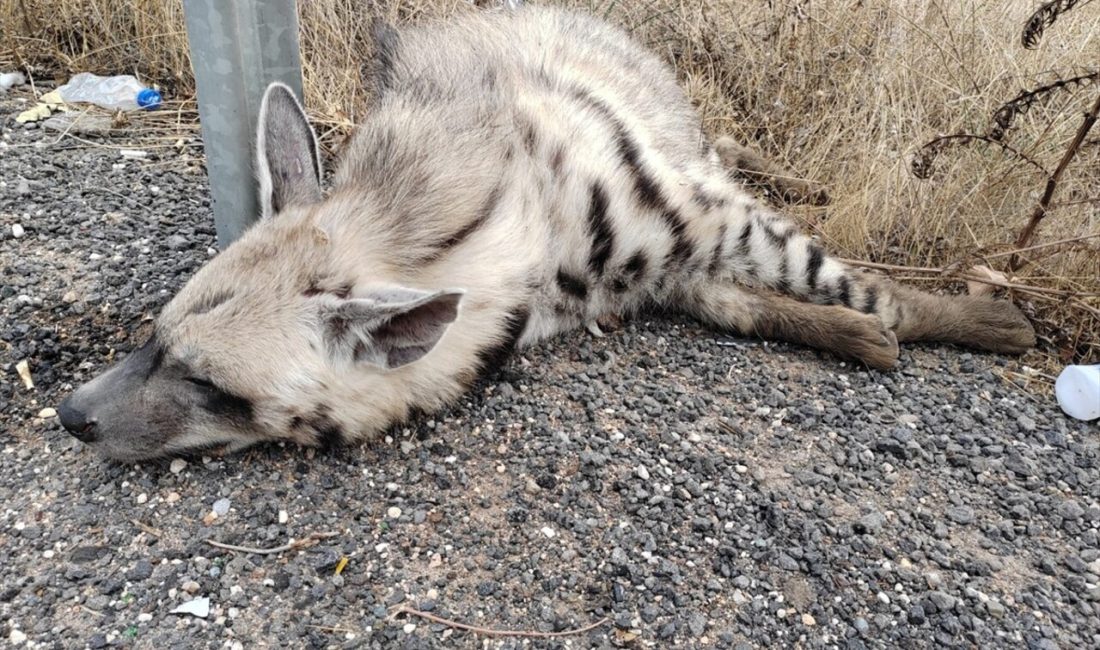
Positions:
(871, 342)
(998, 326)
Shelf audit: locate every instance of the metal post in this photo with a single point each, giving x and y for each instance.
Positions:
(238, 47)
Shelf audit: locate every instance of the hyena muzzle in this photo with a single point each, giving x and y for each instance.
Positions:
(542, 174)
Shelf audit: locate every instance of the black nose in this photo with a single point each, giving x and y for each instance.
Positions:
(77, 422)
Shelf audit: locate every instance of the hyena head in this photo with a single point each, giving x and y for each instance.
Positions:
(251, 346)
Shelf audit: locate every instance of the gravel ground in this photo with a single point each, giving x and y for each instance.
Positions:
(694, 489)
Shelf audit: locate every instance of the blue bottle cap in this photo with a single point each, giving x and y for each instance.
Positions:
(148, 99)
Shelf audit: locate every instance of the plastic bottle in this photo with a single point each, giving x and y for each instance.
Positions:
(1078, 391)
(122, 92)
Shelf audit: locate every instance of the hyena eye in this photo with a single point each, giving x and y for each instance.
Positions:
(201, 383)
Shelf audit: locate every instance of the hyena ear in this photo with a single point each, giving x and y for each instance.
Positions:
(287, 160)
(387, 328)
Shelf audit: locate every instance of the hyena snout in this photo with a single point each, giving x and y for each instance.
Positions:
(77, 422)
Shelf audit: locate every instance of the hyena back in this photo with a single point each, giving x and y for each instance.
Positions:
(520, 174)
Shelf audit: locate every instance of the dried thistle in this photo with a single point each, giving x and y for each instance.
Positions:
(924, 161)
(1022, 103)
(1044, 17)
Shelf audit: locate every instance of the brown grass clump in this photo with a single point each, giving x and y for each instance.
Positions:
(843, 92)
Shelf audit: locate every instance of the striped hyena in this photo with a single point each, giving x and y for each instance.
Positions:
(520, 174)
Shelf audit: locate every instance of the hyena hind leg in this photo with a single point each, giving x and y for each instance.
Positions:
(761, 171)
(833, 328)
(973, 321)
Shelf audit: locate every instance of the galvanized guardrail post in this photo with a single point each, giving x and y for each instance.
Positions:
(238, 47)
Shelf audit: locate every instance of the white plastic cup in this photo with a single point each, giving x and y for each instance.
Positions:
(1078, 392)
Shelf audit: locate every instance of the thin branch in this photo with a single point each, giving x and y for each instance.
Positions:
(289, 546)
(925, 157)
(403, 609)
(1016, 262)
(146, 528)
(1039, 246)
(1022, 103)
(947, 273)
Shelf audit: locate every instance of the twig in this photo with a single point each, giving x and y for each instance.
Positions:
(289, 546)
(1082, 305)
(1038, 246)
(947, 273)
(1015, 263)
(403, 609)
(891, 267)
(334, 629)
(146, 528)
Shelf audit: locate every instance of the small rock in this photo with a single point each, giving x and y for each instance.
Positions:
(70, 297)
(642, 472)
(870, 523)
(808, 620)
(47, 413)
(960, 514)
(17, 230)
(394, 512)
(221, 507)
(861, 625)
(176, 242)
(1026, 423)
(409, 628)
(191, 587)
(142, 570)
(284, 516)
(17, 637)
(944, 602)
(1068, 509)
(549, 532)
(142, 498)
(177, 465)
(883, 598)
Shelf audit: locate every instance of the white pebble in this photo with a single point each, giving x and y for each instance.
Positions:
(177, 465)
(48, 554)
(883, 598)
(17, 637)
(144, 617)
(642, 472)
(17, 232)
(409, 628)
(47, 413)
(808, 620)
(394, 512)
(142, 498)
(549, 532)
(283, 516)
(221, 507)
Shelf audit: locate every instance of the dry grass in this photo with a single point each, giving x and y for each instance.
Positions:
(843, 92)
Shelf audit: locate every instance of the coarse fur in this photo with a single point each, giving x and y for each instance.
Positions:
(522, 173)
